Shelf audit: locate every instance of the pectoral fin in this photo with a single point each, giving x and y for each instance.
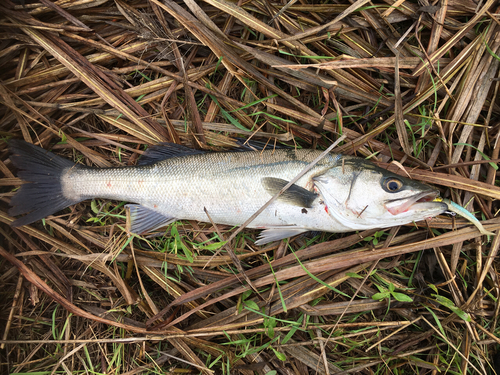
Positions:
(143, 219)
(278, 233)
(294, 195)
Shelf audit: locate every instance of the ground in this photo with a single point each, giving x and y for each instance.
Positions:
(413, 86)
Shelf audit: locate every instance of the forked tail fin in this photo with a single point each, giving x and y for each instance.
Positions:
(42, 194)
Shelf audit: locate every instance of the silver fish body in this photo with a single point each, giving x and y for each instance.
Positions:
(339, 194)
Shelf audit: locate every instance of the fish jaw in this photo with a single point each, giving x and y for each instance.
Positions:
(418, 207)
(415, 202)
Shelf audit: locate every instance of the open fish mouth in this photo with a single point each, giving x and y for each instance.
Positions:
(421, 201)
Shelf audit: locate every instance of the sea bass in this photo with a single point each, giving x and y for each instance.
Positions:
(172, 182)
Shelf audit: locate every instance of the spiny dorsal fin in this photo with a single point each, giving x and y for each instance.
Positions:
(294, 195)
(166, 150)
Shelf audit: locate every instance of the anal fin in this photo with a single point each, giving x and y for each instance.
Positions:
(143, 219)
(278, 233)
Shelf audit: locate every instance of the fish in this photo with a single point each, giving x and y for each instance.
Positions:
(171, 182)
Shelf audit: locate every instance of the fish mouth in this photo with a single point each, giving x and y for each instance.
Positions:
(420, 201)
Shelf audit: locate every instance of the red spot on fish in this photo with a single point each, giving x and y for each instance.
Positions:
(326, 208)
(155, 206)
(140, 182)
(108, 183)
(397, 210)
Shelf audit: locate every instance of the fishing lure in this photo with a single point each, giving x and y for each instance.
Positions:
(453, 207)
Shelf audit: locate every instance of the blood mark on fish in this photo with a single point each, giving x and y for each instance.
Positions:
(108, 183)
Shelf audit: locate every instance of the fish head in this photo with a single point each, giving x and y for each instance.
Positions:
(361, 195)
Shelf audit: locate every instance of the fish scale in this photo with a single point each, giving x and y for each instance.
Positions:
(228, 185)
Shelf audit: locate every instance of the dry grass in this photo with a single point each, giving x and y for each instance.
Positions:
(96, 81)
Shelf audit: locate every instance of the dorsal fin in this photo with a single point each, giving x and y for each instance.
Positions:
(166, 150)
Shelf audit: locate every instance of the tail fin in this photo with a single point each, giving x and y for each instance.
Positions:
(43, 195)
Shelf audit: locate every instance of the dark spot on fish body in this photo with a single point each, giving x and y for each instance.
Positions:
(291, 154)
(304, 211)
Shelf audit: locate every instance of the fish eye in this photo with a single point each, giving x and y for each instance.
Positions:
(392, 184)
